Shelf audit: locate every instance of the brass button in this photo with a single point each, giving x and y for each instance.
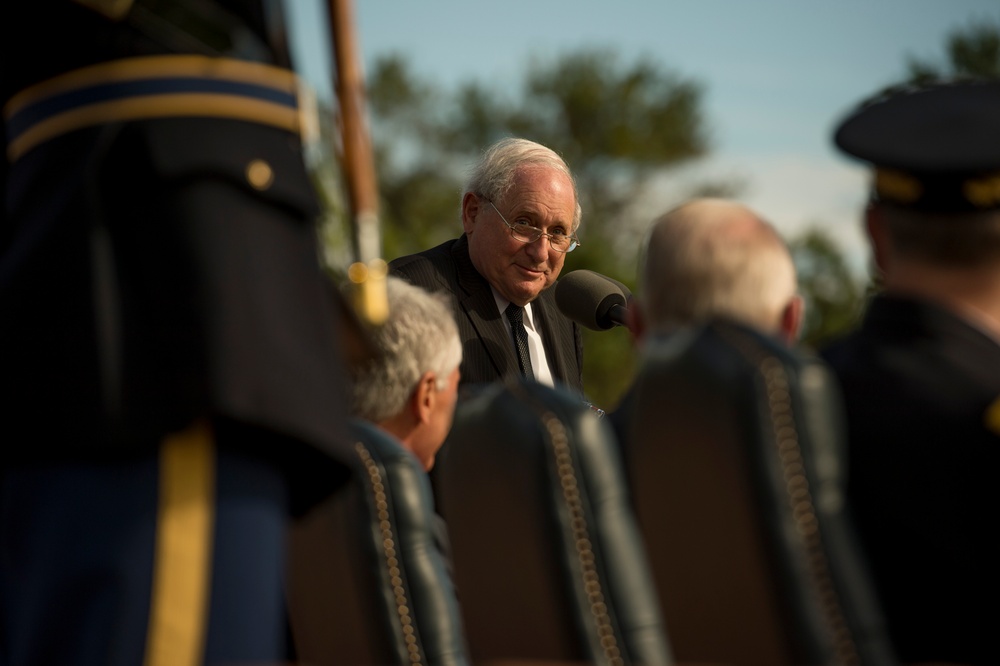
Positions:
(260, 175)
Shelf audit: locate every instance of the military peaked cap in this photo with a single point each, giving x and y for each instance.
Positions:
(934, 147)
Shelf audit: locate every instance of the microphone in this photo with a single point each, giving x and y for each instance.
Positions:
(592, 300)
(626, 292)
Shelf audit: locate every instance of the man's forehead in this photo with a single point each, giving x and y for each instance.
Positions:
(541, 184)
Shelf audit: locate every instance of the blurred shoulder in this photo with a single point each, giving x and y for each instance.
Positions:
(428, 268)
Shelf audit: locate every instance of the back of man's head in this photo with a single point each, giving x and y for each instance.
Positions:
(713, 258)
(960, 240)
(420, 335)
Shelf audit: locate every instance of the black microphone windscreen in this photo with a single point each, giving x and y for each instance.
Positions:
(626, 292)
(587, 298)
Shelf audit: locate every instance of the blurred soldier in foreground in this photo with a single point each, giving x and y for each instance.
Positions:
(921, 377)
(169, 361)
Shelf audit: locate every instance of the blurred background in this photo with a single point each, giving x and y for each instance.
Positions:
(650, 102)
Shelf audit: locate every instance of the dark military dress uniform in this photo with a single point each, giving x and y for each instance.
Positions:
(170, 373)
(920, 378)
(922, 392)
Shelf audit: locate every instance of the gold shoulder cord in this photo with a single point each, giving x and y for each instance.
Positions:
(800, 499)
(563, 455)
(389, 553)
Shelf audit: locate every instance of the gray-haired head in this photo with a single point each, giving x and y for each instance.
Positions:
(493, 175)
(420, 334)
(714, 258)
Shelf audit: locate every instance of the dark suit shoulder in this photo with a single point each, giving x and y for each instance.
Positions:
(435, 255)
(433, 269)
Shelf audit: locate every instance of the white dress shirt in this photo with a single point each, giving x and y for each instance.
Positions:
(539, 362)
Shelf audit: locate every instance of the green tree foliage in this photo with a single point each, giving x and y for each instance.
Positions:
(973, 51)
(833, 297)
(616, 124)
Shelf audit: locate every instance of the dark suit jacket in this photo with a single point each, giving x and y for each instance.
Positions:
(488, 352)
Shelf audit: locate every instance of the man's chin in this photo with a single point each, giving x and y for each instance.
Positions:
(526, 291)
(524, 296)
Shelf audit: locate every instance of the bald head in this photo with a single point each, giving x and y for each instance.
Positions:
(712, 257)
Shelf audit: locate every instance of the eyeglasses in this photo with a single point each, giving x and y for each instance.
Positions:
(529, 234)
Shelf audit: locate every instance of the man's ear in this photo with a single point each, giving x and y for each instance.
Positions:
(422, 400)
(635, 321)
(470, 209)
(878, 234)
(791, 320)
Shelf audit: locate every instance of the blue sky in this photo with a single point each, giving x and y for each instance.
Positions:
(777, 75)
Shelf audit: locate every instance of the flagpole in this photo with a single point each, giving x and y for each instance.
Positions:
(367, 273)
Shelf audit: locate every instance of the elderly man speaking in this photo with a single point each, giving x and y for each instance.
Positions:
(520, 214)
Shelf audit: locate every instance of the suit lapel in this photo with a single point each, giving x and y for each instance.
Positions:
(544, 309)
(480, 307)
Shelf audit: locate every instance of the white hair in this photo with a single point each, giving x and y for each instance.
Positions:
(419, 335)
(493, 175)
(710, 258)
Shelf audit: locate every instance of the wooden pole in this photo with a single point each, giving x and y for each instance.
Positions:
(367, 274)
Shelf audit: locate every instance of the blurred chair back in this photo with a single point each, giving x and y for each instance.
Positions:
(736, 459)
(547, 558)
(367, 583)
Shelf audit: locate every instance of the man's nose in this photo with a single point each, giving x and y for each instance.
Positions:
(539, 249)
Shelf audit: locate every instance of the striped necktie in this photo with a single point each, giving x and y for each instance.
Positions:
(515, 317)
